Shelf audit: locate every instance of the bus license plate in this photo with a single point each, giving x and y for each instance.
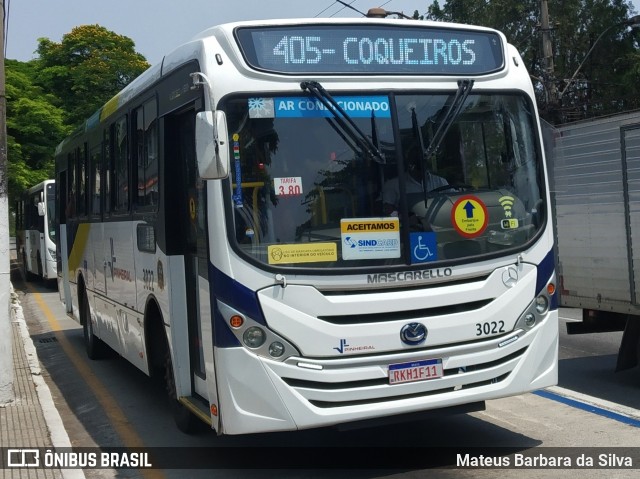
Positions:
(415, 371)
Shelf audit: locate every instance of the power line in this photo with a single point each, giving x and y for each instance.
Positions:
(322, 11)
(347, 5)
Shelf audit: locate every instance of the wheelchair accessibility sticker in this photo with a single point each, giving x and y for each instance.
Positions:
(423, 247)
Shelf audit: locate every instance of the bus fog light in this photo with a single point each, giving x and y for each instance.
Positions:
(276, 349)
(542, 304)
(530, 320)
(254, 337)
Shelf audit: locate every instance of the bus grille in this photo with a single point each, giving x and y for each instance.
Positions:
(406, 315)
(369, 391)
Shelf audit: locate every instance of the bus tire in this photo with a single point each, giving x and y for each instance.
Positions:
(186, 421)
(40, 273)
(26, 274)
(93, 345)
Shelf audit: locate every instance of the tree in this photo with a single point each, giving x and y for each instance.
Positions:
(87, 68)
(608, 80)
(34, 127)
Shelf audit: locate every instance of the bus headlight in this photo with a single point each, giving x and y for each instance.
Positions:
(537, 309)
(529, 320)
(542, 304)
(254, 337)
(276, 349)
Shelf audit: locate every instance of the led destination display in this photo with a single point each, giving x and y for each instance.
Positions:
(371, 49)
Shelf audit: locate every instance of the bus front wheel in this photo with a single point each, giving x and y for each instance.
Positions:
(186, 421)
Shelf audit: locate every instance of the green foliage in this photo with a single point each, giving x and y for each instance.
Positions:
(34, 127)
(49, 96)
(606, 83)
(88, 67)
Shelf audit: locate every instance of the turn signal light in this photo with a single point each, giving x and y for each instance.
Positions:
(551, 289)
(236, 321)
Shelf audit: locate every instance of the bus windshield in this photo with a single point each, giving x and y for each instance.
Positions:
(306, 193)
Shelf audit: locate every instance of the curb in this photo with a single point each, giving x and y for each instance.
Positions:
(57, 431)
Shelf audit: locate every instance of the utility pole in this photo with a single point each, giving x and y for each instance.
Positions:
(6, 351)
(547, 50)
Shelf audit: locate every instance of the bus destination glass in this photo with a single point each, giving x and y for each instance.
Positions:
(371, 49)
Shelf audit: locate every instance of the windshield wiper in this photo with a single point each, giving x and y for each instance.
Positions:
(417, 133)
(342, 118)
(464, 88)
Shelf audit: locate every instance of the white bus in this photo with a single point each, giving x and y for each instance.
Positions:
(232, 227)
(36, 232)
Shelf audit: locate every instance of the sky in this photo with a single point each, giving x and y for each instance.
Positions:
(159, 26)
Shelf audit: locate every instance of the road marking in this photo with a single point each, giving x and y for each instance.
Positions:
(592, 404)
(117, 417)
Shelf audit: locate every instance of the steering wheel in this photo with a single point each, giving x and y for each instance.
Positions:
(457, 187)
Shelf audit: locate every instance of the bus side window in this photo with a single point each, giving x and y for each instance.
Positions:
(96, 181)
(121, 166)
(70, 207)
(82, 186)
(107, 174)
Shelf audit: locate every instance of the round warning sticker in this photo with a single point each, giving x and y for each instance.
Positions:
(469, 216)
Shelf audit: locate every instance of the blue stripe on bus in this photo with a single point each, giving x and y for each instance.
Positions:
(235, 295)
(588, 408)
(546, 268)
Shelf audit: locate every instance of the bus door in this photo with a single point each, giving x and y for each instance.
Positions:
(192, 198)
(61, 240)
(35, 238)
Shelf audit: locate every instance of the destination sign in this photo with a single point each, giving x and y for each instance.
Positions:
(371, 49)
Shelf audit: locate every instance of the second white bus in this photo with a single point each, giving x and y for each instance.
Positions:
(36, 232)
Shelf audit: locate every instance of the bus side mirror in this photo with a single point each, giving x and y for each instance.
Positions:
(212, 150)
(41, 210)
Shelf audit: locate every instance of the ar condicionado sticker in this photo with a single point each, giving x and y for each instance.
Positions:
(469, 216)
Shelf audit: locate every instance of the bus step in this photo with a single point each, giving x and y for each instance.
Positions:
(198, 407)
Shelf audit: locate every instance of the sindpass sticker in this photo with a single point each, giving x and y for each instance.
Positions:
(374, 238)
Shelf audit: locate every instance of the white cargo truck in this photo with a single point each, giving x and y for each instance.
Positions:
(595, 186)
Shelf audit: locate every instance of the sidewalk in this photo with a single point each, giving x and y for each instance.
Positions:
(31, 420)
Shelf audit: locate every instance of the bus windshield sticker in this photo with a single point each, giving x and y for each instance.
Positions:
(291, 186)
(469, 216)
(374, 238)
(423, 247)
(261, 108)
(354, 106)
(302, 253)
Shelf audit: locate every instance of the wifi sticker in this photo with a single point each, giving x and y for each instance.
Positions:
(507, 203)
(509, 223)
